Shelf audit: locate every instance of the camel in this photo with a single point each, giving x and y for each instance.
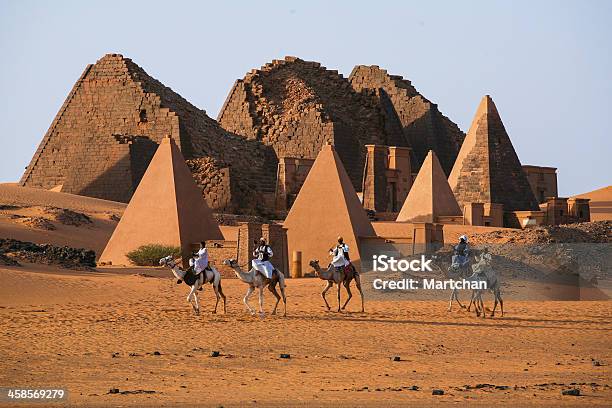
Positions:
(331, 275)
(454, 271)
(196, 282)
(483, 271)
(256, 280)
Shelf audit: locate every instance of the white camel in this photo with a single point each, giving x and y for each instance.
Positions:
(256, 280)
(455, 271)
(196, 282)
(483, 271)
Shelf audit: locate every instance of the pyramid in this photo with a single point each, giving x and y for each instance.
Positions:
(326, 207)
(106, 132)
(167, 208)
(430, 195)
(424, 127)
(487, 169)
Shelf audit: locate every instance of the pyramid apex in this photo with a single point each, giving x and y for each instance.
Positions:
(500, 178)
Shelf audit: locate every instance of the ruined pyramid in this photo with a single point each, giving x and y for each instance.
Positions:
(167, 208)
(106, 132)
(423, 125)
(326, 207)
(297, 106)
(430, 195)
(487, 169)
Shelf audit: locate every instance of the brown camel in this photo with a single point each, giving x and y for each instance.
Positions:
(331, 275)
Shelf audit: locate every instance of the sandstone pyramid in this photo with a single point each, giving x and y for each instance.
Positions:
(106, 132)
(424, 126)
(297, 106)
(430, 195)
(167, 208)
(326, 207)
(487, 169)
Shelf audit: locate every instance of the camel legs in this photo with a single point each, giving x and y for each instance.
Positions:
(347, 286)
(272, 288)
(220, 292)
(282, 289)
(497, 296)
(192, 296)
(246, 299)
(358, 284)
(339, 286)
(455, 296)
(261, 300)
(327, 287)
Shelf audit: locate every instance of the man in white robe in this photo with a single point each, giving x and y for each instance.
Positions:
(339, 255)
(262, 255)
(201, 261)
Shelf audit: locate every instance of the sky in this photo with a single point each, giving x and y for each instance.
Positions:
(547, 64)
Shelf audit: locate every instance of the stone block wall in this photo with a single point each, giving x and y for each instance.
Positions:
(424, 126)
(102, 137)
(292, 173)
(297, 106)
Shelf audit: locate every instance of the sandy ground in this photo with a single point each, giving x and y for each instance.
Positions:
(93, 331)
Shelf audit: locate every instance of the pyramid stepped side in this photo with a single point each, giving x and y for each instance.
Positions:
(430, 196)
(89, 147)
(327, 206)
(166, 209)
(425, 127)
(298, 106)
(487, 169)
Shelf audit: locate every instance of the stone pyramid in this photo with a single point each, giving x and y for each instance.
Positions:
(106, 132)
(167, 208)
(326, 207)
(430, 195)
(487, 169)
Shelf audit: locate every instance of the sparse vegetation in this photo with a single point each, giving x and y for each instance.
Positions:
(149, 255)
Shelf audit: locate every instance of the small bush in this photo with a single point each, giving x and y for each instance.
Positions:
(149, 255)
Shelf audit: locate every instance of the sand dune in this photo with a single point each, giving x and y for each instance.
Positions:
(25, 215)
(93, 331)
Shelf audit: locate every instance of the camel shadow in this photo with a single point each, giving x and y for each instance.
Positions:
(482, 323)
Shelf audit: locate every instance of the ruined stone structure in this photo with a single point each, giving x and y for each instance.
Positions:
(543, 181)
(297, 106)
(387, 178)
(423, 125)
(487, 169)
(107, 130)
(290, 177)
(167, 208)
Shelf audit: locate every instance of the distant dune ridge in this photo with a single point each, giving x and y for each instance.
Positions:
(601, 203)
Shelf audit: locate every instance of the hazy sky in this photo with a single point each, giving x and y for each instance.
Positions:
(547, 64)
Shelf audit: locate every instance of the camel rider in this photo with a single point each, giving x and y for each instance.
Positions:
(461, 252)
(262, 255)
(200, 260)
(340, 255)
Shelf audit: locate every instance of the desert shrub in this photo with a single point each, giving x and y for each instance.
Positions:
(149, 255)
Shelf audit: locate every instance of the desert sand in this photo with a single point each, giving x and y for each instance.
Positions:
(27, 214)
(90, 331)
